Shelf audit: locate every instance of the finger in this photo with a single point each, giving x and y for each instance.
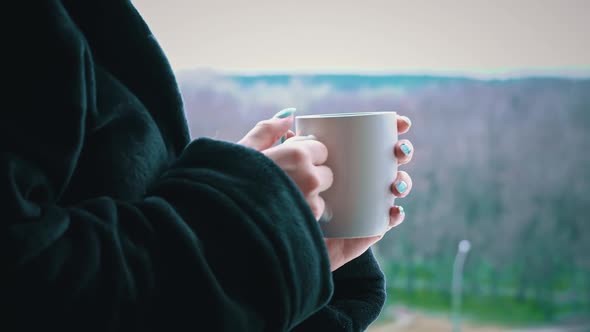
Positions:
(402, 185)
(396, 216)
(315, 149)
(267, 132)
(317, 205)
(324, 173)
(403, 150)
(403, 124)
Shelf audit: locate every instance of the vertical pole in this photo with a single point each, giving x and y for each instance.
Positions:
(457, 283)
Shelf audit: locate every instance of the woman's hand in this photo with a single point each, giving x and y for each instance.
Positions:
(341, 251)
(303, 161)
(300, 157)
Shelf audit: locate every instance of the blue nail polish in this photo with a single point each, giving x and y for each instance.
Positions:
(285, 113)
(401, 210)
(406, 149)
(283, 139)
(401, 186)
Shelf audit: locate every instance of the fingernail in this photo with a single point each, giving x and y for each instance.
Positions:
(285, 113)
(401, 210)
(283, 139)
(406, 120)
(406, 149)
(401, 186)
(326, 216)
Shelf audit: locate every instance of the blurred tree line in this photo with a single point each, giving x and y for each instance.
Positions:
(503, 163)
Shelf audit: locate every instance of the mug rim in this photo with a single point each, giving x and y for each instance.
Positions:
(342, 115)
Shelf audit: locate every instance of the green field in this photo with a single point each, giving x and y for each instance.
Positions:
(501, 310)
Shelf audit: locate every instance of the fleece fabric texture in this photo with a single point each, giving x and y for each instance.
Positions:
(113, 220)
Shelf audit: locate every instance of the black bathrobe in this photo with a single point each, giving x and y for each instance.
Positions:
(112, 220)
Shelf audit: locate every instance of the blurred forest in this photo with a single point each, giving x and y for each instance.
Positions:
(502, 163)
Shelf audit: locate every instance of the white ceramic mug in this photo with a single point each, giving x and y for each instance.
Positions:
(360, 154)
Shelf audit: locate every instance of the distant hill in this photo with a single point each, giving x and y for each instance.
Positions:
(347, 82)
(356, 81)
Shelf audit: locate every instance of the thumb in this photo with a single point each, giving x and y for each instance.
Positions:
(267, 132)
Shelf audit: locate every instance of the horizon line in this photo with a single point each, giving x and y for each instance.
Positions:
(491, 73)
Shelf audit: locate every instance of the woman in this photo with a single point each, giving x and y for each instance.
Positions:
(113, 221)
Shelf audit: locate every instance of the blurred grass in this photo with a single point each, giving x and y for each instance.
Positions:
(488, 297)
(498, 310)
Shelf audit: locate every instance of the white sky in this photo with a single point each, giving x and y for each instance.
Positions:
(372, 35)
